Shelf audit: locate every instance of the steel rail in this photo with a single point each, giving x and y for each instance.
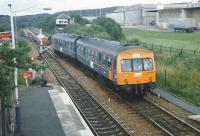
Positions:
(97, 117)
(165, 120)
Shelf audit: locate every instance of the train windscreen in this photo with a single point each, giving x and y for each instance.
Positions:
(130, 65)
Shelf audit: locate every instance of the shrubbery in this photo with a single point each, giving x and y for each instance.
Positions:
(180, 76)
(7, 65)
(78, 29)
(105, 28)
(111, 27)
(177, 60)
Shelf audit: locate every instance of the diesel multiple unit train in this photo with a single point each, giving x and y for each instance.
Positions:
(130, 68)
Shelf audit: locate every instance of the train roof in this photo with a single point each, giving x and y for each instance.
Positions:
(107, 46)
(65, 36)
(111, 47)
(100, 44)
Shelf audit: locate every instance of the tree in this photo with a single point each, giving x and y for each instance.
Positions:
(79, 20)
(49, 24)
(5, 22)
(1, 29)
(111, 27)
(78, 29)
(7, 65)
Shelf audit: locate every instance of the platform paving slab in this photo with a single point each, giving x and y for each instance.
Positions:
(70, 118)
(194, 117)
(49, 111)
(177, 101)
(38, 114)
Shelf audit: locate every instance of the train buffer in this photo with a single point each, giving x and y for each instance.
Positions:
(49, 111)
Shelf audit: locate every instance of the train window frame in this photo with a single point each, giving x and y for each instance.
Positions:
(96, 55)
(84, 50)
(109, 61)
(131, 70)
(99, 56)
(139, 69)
(151, 64)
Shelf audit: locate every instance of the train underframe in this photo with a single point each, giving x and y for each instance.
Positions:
(138, 90)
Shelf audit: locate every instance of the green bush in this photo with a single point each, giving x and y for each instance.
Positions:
(103, 35)
(179, 75)
(78, 29)
(105, 28)
(111, 27)
(8, 65)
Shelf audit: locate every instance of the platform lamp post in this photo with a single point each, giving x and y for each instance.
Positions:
(17, 108)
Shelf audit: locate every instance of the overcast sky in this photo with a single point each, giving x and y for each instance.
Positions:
(65, 5)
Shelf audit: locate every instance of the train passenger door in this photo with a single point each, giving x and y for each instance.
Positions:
(75, 49)
(115, 70)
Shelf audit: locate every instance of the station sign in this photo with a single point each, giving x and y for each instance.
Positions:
(28, 75)
(4, 36)
(35, 58)
(44, 42)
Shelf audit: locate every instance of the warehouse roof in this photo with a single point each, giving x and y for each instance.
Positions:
(136, 7)
(63, 16)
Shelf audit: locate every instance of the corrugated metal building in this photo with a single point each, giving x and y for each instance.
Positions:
(134, 15)
(177, 10)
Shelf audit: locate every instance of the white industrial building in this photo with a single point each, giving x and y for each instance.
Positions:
(189, 12)
(139, 14)
(64, 19)
(90, 18)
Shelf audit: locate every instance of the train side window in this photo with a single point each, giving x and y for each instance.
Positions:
(71, 46)
(84, 50)
(105, 60)
(89, 53)
(99, 57)
(115, 69)
(81, 50)
(62, 42)
(78, 48)
(91, 56)
(96, 55)
(109, 62)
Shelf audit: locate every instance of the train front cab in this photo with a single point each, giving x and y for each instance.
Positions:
(136, 71)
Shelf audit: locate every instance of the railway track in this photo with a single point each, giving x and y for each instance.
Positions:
(163, 119)
(169, 123)
(100, 121)
(160, 117)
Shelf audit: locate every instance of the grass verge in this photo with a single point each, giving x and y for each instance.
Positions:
(177, 73)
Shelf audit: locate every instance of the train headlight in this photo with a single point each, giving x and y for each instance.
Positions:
(137, 74)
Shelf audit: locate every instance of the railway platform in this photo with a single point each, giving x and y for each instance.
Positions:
(49, 111)
(177, 101)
